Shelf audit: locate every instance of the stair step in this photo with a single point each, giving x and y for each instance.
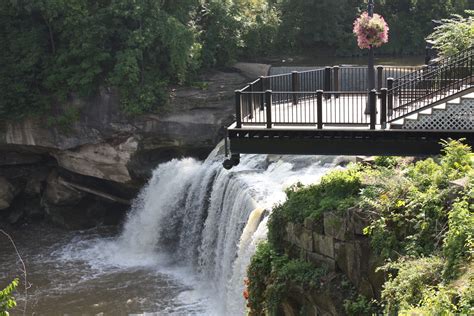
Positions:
(426, 112)
(454, 101)
(469, 96)
(441, 106)
(412, 117)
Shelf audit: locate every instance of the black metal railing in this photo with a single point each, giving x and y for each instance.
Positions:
(339, 95)
(410, 94)
(312, 108)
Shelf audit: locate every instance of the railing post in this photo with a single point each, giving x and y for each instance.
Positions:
(319, 108)
(268, 104)
(262, 88)
(238, 108)
(383, 107)
(373, 108)
(295, 85)
(336, 80)
(379, 78)
(327, 81)
(390, 96)
(251, 103)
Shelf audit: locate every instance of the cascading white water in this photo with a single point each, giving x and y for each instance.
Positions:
(212, 219)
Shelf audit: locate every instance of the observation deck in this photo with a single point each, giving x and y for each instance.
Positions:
(330, 111)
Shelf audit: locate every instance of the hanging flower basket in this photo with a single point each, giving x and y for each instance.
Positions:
(370, 31)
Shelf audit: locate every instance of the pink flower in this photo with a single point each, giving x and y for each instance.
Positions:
(370, 31)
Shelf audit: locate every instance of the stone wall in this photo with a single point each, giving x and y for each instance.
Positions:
(337, 242)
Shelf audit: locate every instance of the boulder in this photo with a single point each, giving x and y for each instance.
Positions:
(69, 207)
(7, 193)
(59, 194)
(105, 161)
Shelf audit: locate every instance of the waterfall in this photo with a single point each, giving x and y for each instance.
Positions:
(211, 218)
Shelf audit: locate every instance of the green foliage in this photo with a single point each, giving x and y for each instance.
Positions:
(54, 50)
(7, 301)
(386, 161)
(64, 121)
(360, 306)
(271, 275)
(57, 49)
(425, 225)
(458, 245)
(420, 223)
(456, 161)
(336, 192)
(220, 33)
(312, 23)
(412, 205)
(418, 288)
(410, 21)
(455, 34)
(258, 273)
(406, 288)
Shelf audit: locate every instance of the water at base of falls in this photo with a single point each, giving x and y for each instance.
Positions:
(184, 247)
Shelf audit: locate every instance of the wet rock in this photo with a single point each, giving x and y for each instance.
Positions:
(57, 193)
(15, 215)
(13, 158)
(7, 193)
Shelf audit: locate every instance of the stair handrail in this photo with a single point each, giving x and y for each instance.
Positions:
(415, 102)
(437, 63)
(424, 76)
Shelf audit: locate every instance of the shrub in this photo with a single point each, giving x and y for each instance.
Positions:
(412, 277)
(386, 161)
(459, 240)
(7, 301)
(360, 306)
(271, 275)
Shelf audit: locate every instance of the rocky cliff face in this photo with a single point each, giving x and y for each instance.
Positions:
(338, 243)
(106, 150)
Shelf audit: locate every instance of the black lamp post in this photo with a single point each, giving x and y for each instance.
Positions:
(371, 67)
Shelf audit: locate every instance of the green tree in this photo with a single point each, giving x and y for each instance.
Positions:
(455, 34)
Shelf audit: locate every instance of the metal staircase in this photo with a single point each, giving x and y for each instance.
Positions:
(455, 114)
(434, 93)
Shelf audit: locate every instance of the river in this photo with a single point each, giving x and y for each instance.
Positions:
(183, 249)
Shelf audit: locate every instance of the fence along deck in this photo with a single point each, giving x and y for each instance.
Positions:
(337, 99)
